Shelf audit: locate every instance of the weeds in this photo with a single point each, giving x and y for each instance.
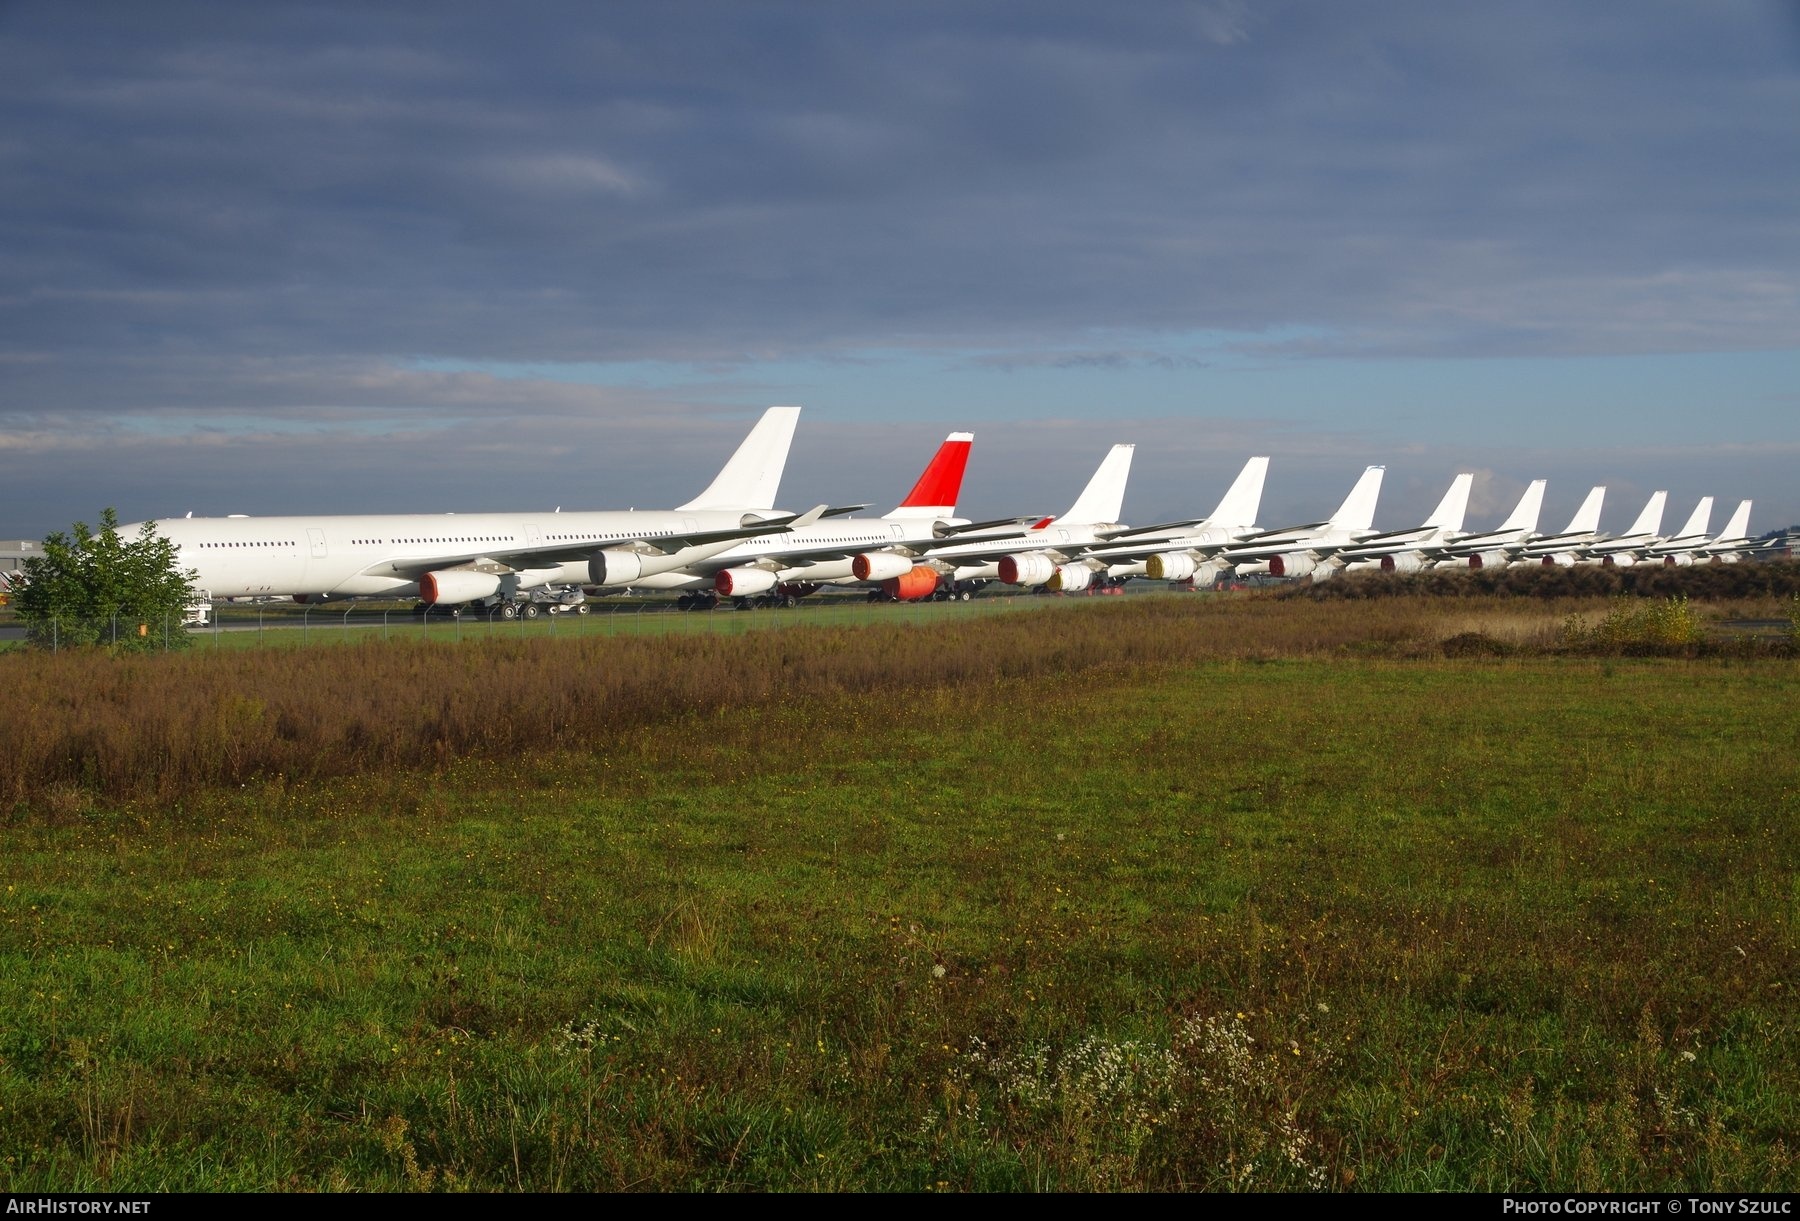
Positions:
(1637, 627)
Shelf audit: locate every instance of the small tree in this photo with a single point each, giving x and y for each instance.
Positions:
(97, 588)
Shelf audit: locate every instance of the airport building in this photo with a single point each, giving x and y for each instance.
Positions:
(14, 553)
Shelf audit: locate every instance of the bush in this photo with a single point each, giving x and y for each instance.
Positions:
(1634, 626)
(97, 588)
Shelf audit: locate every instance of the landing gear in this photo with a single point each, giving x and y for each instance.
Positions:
(529, 610)
(509, 610)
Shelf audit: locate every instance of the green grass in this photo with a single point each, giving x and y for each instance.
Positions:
(1394, 925)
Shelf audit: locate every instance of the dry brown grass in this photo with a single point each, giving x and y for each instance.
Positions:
(83, 724)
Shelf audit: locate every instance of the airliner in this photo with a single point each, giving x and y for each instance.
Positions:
(1622, 549)
(1410, 550)
(799, 561)
(1182, 552)
(1298, 551)
(1046, 553)
(1491, 549)
(1563, 550)
(1732, 541)
(453, 558)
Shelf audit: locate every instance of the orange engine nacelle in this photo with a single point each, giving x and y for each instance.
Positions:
(920, 582)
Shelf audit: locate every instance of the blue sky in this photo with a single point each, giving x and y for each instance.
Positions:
(322, 257)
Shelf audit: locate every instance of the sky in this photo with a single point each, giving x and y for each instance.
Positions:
(346, 258)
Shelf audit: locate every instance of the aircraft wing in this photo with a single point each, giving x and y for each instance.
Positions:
(648, 544)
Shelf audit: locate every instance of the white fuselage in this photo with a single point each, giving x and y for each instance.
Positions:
(814, 554)
(384, 554)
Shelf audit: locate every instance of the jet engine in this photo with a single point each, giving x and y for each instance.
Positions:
(880, 566)
(1294, 564)
(455, 585)
(1071, 578)
(1488, 559)
(614, 567)
(1623, 559)
(1559, 559)
(1170, 566)
(1405, 561)
(917, 582)
(742, 582)
(1031, 568)
(1680, 559)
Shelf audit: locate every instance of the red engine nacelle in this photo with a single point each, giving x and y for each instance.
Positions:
(1488, 559)
(1406, 561)
(1032, 568)
(457, 585)
(1295, 564)
(742, 582)
(918, 582)
(879, 566)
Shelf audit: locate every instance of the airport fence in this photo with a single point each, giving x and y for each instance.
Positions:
(289, 626)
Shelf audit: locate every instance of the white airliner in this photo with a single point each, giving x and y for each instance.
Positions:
(1679, 547)
(1298, 551)
(1732, 541)
(1046, 553)
(1646, 531)
(1182, 552)
(1563, 550)
(453, 558)
(1492, 549)
(799, 561)
(1411, 550)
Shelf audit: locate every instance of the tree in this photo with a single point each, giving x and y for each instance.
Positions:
(98, 588)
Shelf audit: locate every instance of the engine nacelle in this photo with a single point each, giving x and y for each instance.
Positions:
(1071, 579)
(457, 585)
(742, 582)
(1032, 568)
(1294, 564)
(1489, 559)
(614, 567)
(1405, 561)
(1623, 559)
(917, 582)
(1170, 566)
(1559, 559)
(1680, 559)
(880, 566)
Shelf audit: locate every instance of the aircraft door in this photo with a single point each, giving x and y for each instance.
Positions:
(317, 537)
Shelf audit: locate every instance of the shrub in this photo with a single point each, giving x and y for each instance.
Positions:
(1636, 626)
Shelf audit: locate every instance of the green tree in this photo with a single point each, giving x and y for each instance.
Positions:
(97, 588)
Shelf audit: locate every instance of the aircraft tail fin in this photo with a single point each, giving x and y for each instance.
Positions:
(1738, 528)
(1525, 513)
(1243, 499)
(1454, 506)
(1699, 521)
(752, 477)
(1650, 520)
(1104, 497)
(935, 494)
(1587, 517)
(1358, 510)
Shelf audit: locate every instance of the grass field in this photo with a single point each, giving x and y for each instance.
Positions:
(1177, 900)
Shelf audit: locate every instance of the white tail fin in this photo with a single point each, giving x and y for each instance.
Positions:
(940, 484)
(1454, 506)
(1358, 510)
(1699, 521)
(1738, 528)
(1243, 499)
(1587, 517)
(1104, 497)
(1525, 514)
(1650, 520)
(753, 475)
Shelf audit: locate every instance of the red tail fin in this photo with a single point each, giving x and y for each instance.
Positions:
(941, 484)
